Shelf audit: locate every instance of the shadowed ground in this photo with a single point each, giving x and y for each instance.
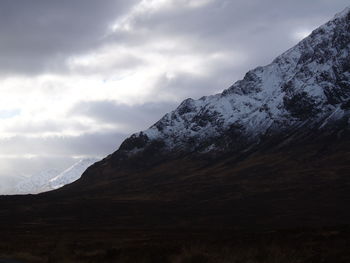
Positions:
(193, 205)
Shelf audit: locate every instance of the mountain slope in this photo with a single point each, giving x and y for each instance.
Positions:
(307, 86)
(35, 184)
(50, 179)
(71, 174)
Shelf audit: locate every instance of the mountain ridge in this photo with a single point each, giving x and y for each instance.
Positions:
(308, 85)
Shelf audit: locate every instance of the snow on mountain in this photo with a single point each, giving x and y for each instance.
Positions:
(307, 86)
(8, 183)
(50, 179)
(36, 183)
(71, 174)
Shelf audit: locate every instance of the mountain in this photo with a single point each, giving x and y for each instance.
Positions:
(71, 174)
(274, 145)
(49, 179)
(271, 152)
(302, 97)
(8, 183)
(307, 87)
(36, 183)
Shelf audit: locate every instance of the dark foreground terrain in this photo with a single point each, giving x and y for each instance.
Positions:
(274, 203)
(177, 246)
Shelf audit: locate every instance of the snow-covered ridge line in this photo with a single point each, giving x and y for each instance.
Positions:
(71, 174)
(304, 85)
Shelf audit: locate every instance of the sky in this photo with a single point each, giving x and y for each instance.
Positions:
(79, 76)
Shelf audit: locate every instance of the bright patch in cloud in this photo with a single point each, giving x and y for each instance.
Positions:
(113, 72)
(9, 113)
(149, 7)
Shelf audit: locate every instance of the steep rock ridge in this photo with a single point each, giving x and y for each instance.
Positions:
(306, 87)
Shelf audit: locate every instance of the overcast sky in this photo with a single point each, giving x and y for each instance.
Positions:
(78, 76)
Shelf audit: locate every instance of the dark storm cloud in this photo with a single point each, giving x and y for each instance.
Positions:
(38, 35)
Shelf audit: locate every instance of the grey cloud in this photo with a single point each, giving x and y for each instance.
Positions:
(123, 62)
(259, 29)
(56, 152)
(134, 117)
(46, 126)
(220, 75)
(186, 85)
(90, 144)
(13, 169)
(38, 35)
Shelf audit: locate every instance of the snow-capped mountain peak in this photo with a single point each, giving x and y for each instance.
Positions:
(304, 86)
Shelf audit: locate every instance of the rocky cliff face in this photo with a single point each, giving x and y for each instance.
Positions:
(307, 87)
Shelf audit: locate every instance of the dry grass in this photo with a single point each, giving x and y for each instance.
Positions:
(326, 246)
(271, 254)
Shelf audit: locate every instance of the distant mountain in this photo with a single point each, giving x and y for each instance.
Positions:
(36, 183)
(9, 183)
(71, 174)
(49, 180)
